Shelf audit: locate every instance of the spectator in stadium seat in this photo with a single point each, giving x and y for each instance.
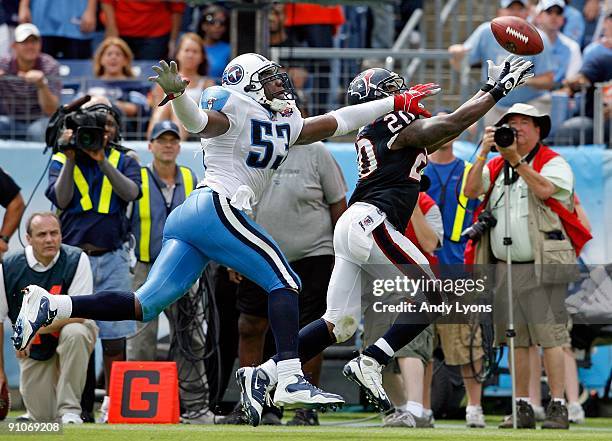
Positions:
(149, 27)
(300, 209)
(565, 52)
(66, 26)
(8, 20)
(590, 10)
(11, 200)
(93, 189)
(314, 26)
(481, 46)
(29, 86)
(447, 175)
(54, 366)
(213, 27)
(574, 23)
(112, 67)
(426, 231)
(193, 65)
(596, 67)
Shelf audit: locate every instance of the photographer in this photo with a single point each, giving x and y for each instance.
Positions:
(92, 185)
(544, 229)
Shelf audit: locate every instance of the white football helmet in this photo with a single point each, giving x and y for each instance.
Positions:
(248, 73)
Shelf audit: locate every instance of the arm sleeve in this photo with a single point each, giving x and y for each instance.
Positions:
(82, 283)
(3, 302)
(559, 172)
(8, 189)
(434, 219)
(54, 170)
(332, 180)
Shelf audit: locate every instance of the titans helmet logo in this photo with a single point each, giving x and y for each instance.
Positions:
(233, 74)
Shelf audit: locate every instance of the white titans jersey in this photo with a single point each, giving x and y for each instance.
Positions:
(239, 164)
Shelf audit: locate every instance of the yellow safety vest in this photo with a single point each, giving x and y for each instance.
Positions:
(83, 187)
(460, 213)
(144, 208)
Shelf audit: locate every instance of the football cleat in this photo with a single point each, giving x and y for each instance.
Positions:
(37, 311)
(255, 386)
(296, 392)
(367, 373)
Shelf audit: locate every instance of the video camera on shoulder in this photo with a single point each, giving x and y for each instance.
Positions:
(504, 137)
(87, 126)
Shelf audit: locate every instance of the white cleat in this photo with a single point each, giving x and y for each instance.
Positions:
(474, 418)
(367, 373)
(38, 310)
(296, 392)
(255, 386)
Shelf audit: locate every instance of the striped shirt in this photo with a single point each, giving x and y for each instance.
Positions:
(19, 99)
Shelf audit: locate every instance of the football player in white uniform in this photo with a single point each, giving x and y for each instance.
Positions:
(247, 125)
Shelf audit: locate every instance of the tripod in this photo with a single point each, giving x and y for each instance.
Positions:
(510, 332)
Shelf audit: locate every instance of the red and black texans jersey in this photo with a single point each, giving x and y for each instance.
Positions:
(388, 179)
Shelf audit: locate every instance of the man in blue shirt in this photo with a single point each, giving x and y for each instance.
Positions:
(481, 46)
(93, 189)
(448, 175)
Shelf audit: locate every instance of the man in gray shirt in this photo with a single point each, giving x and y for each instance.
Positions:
(299, 209)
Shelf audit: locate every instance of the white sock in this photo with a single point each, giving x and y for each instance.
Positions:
(382, 344)
(469, 409)
(526, 400)
(64, 306)
(427, 412)
(415, 408)
(269, 367)
(287, 368)
(560, 400)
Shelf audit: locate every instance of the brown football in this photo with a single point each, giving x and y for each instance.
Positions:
(517, 35)
(5, 402)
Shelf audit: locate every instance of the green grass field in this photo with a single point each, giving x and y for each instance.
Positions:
(340, 426)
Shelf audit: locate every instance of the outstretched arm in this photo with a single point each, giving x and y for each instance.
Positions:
(434, 132)
(205, 123)
(350, 118)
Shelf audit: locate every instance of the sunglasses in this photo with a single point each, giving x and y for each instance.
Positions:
(212, 20)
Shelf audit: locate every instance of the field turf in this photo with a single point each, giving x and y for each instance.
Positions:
(340, 426)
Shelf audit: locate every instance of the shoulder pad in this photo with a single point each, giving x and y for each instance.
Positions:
(214, 98)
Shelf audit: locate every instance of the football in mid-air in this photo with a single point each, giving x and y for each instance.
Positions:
(517, 35)
(5, 402)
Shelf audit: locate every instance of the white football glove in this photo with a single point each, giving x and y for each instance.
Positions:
(518, 71)
(169, 80)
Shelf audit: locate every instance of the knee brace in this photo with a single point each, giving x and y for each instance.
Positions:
(113, 348)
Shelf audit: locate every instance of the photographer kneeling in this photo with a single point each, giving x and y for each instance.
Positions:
(544, 230)
(92, 180)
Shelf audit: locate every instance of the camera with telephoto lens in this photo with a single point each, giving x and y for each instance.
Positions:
(485, 221)
(504, 137)
(87, 126)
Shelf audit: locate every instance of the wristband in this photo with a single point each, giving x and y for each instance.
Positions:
(518, 164)
(481, 158)
(487, 87)
(5, 238)
(170, 97)
(498, 92)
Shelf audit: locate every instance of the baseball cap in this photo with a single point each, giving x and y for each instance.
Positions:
(25, 30)
(163, 127)
(544, 5)
(507, 3)
(542, 119)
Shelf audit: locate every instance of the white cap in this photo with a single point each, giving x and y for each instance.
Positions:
(25, 30)
(544, 5)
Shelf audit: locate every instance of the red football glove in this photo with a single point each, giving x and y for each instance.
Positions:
(409, 101)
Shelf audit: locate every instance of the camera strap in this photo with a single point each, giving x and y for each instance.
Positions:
(514, 176)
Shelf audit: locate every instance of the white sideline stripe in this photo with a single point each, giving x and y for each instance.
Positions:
(257, 241)
(516, 34)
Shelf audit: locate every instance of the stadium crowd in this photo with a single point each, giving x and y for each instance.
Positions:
(107, 196)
